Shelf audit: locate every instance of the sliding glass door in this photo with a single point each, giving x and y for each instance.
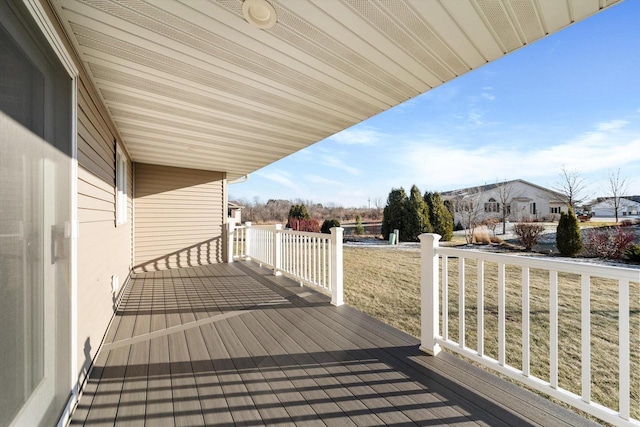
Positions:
(35, 159)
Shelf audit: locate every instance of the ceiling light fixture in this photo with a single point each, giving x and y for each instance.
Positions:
(259, 13)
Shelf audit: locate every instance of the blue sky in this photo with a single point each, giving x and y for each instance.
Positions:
(570, 99)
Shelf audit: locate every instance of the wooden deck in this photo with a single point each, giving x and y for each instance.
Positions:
(229, 344)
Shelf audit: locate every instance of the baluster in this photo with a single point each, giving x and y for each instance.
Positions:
(480, 307)
(445, 297)
(461, 310)
(586, 337)
(525, 322)
(553, 328)
(501, 314)
(624, 353)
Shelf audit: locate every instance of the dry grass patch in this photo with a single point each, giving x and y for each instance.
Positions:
(384, 283)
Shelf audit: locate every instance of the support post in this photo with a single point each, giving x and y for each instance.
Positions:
(336, 263)
(397, 233)
(247, 241)
(231, 226)
(429, 325)
(277, 250)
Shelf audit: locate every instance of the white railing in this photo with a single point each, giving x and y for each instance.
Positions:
(313, 259)
(434, 272)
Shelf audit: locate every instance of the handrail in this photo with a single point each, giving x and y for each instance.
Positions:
(434, 258)
(313, 259)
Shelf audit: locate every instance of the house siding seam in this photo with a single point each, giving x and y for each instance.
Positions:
(179, 217)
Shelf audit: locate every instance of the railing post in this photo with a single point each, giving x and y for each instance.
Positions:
(429, 312)
(336, 264)
(277, 250)
(247, 241)
(230, 241)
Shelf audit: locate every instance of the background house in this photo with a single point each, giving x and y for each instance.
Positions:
(234, 211)
(604, 207)
(524, 201)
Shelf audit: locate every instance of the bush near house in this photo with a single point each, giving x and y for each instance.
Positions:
(568, 236)
(608, 242)
(528, 233)
(633, 253)
(393, 213)
(328, 224)
(439, 216)
(301, 224)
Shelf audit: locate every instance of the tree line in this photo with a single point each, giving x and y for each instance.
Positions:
(278, 211)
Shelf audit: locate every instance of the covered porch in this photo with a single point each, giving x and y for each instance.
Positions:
(233, 344)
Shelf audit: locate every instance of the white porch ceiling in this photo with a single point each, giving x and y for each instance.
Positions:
(191, 84)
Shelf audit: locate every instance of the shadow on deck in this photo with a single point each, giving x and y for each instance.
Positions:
(228, 344)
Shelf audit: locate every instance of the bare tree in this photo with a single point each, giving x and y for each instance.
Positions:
(572, 186)
(506, 193)
(470, 211)
(378, 203)
(616, 188)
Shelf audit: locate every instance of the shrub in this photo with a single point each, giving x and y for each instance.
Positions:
(633, 252)
(298, 212)
(439, 216)
(328, 224)
(491, 223)
(458, 226)
(299, 224)
(608, 242)
(359, 230)
(481, 237)
(393, 214)
(568, 237)
(528, 233)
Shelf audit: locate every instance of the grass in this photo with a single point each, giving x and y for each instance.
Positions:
(384, 283)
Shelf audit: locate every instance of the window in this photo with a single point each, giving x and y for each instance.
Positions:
(555, 210)
(121, 187)
(492, 206)
(532, 209)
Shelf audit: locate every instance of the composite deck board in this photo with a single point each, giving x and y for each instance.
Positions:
(131, 410)
(159, 403)
(230, 344)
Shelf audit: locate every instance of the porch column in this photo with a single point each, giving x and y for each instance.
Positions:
(277, 250)
(231, 226)
(429, 307)
(336, 264)
(247, 240)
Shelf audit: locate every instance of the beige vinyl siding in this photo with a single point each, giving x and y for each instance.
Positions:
(179, 217)
(104, 249)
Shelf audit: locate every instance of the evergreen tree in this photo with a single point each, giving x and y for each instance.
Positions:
(416, 217)
(359, 228)
(568, 237)
(297, 212)
(328, 224)
(392, 215)
(439, 216)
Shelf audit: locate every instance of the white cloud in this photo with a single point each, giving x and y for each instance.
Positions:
(444, 164)
(334, 162)
(611, 125)
(321, 180)
(487, 96)
(281, 177)
(357, 137)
